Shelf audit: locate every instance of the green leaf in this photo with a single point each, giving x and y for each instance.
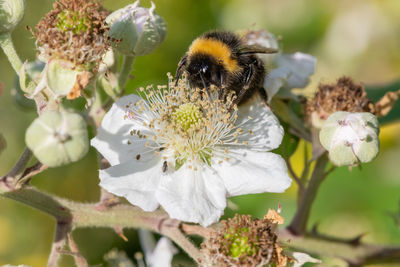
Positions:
(289, 144)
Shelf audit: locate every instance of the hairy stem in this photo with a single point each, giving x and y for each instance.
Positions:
(19, 168)
(60, 238)
(355, 254)
(127, 65)
(80, 261)
(87, 215)
(9, 49)
(300, 219)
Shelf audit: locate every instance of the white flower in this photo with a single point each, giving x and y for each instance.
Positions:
(180, 150)
(285, 71)
(292, 71)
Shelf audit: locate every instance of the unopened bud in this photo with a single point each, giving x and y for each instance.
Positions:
(138, 30)
(350, 137)
(58, 138)
(11, 14)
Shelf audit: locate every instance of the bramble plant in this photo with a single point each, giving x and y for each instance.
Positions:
(177, 153)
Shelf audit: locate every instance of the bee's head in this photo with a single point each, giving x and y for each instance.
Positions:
(203, 70)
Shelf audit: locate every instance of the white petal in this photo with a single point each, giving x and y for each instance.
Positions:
(162, 254)
(267, 132)
(135, 180)
(275, 80)
(301, 67)
(251, 172)
(114, 133)
(193, 196)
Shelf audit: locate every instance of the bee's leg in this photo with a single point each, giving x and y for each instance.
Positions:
(222, 91)
(181, 64)
(247, 83)
(205, 86)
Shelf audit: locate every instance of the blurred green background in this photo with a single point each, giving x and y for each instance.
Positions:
(359, 38)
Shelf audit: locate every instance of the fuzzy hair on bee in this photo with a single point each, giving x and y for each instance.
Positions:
(223, 59)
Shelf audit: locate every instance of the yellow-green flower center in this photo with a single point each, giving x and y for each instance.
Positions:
(73, 21)
(187, 116)
(239, 244)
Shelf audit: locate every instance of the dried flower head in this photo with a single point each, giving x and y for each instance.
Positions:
(244, 241)
(344, 95)
(74, 30)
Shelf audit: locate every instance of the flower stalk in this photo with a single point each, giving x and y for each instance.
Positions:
(300, 219)
(127, 65)
(7, 45)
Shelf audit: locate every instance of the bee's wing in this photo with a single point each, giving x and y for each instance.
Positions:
(256, 49)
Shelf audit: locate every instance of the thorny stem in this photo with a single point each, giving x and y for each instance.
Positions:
(300, 219)
(62, 229)
(9, 49)
(125, 71)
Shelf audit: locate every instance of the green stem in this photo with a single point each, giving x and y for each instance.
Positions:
(127, 65)
(8, 48)
(300, 219)
(87, 215)
(7, 45)
(20, 166)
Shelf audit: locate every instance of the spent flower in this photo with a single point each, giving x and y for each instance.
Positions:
(244, 241)
(72, 40)
(188, 151)
(350, 138)
(344, 95)
(136, 30)
(73, 30)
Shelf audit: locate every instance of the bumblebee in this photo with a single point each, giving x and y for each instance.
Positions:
(223, 59)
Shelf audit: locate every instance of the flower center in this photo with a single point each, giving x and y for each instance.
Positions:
(74, 21)
(239, 244)
(187, 116)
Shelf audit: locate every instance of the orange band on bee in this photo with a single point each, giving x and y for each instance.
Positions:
(217, 49)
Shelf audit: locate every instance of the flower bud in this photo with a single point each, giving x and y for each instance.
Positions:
(350, 137)
(58, 138)
(11, 14)
(138, 30)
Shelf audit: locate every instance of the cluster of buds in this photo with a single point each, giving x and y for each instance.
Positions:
(344, 115)
(244, 241)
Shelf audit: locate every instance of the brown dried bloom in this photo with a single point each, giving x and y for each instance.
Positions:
(74, 30)
(244, 241)
(344, 95)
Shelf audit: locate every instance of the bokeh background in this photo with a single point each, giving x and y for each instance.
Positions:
(359, 38)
